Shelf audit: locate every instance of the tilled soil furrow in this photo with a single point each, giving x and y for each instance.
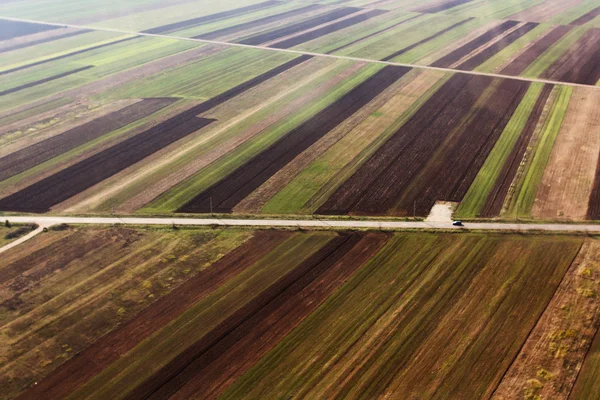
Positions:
(361, 182)
(29, 157)
(212, 373)
(519, 64)
(228, 192)
(153, 385)
(497, 195)
(296, 40)
(462, 51)
(109, 348)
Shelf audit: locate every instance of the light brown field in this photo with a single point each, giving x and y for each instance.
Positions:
(568, 179)
(551, 358)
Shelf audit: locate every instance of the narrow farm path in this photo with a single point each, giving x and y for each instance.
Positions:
(299, 52)
(23, 239)
(47, 221)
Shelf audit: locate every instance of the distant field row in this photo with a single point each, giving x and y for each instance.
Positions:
(484, 36)
(206, 313)
(101, 122)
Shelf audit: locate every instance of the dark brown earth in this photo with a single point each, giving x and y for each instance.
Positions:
(497, 195)
(228, 192)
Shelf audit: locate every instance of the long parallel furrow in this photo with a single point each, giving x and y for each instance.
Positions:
(206, 368)
(579, 64)
(45, 80)
(587, 17)
(44, 40)
(427, 39)
(392, 183)
(193, 22)
(455, 169)
(520, 63)
(257, 23)
(495, 199)
(63, 56)
(485, 54)
(336, 26)
(299, 27)
(479, 41)
(428, 121)
(42, 195)
(228, 192)
(109, 348)
(29, 157)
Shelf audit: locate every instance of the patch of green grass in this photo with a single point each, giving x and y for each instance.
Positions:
(185, 191)
(158, 349)
(500, 58)
(528, 187)
(214, 143)
(420, 53)
(479, 190)
(544, 61)
(325, 174)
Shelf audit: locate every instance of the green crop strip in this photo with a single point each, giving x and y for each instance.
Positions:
(224, 166)
(488, 174)
(527, 189)
(160, 348)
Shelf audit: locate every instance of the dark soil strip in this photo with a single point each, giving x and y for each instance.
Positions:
(485, 54)
(29, 157)
(40, 196)
(81, 368)
(393, 183)
(211, 18)
(496, 197)
(299, 27)
(587, 17)
(243, 87)
(44, 40)
(372, 34)
(445, 6)
(8, 71)
(41, 81)
(225, 194)
(423, 133)
(228, 359)
(336, 26)
(519, 64)
(593, 211)
(53, 255)
(579, 64)
(455, 169)
(420, 42)
(247, 324)
(462, 51)
(256, 23)
(72, 180)
(12, 29)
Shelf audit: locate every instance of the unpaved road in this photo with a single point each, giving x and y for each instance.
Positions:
(127, 32)
(47, 221)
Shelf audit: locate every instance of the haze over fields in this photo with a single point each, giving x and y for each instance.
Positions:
(296, 109)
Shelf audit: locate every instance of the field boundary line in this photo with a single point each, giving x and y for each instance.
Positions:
(300, 52)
